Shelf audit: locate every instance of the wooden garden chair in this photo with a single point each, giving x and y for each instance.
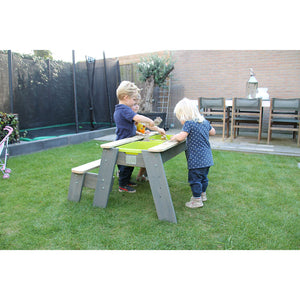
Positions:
(246, 113)
(216, 112)
(284, 116)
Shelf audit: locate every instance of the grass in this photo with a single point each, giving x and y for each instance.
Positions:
(253, 203)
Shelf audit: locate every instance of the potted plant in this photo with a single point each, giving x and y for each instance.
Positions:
(154, 70)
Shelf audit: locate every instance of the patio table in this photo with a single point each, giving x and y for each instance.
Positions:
(152, 159)
(228, 102)
(265, 103)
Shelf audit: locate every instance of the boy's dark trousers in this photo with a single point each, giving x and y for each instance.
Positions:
(124, 175)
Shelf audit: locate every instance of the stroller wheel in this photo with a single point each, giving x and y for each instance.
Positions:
(5, 176)
(7, 170)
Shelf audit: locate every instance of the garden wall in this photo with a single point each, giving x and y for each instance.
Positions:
(215, 73)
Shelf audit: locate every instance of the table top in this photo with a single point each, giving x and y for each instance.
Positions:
(158, 148)
(265, 103)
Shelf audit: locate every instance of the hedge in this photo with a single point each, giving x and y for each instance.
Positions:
(12, 121)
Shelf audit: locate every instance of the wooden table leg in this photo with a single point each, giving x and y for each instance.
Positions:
(75, 188)
(105, 177)
(159, 186)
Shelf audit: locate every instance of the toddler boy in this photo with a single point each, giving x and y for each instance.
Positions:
(128, 94)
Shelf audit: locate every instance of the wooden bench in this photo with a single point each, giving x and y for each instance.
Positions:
(81, 177)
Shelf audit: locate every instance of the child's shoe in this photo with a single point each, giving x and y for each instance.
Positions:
(203, 196)
(130, 183)
(142, 178)
(194, 203)
(127, 189)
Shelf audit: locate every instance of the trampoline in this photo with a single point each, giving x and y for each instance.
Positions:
(55, 131)
(53, 98)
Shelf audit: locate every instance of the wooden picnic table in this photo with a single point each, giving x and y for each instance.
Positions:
(152, 159)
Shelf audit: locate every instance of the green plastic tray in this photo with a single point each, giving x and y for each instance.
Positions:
(158, 137)
(136, 147)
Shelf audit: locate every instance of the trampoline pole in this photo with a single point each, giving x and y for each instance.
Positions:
(106, 88)
(75, 91)
(91, 89)
(10, 71)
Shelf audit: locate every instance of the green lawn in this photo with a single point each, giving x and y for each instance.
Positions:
(253, 203)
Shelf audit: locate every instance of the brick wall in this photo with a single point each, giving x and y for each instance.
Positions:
(215, 73)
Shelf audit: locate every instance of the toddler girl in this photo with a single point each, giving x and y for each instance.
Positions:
(196, 130)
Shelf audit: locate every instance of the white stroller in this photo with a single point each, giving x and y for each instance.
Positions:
(4, 145)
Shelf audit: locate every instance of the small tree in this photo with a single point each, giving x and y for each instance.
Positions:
(46, 54)
(153, 70)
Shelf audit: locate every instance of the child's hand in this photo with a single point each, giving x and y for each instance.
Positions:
(179, 137)
(173, 138)
(161, 131)
(157, 121)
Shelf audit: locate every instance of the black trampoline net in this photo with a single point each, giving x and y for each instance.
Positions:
(44, 95)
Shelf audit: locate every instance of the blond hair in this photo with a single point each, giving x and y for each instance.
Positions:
(127, 88)
(186, 110)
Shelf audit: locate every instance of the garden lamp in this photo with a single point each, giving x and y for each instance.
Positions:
(252, 85)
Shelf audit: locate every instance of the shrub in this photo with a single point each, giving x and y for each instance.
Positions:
(158, 67)
(12, 121)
